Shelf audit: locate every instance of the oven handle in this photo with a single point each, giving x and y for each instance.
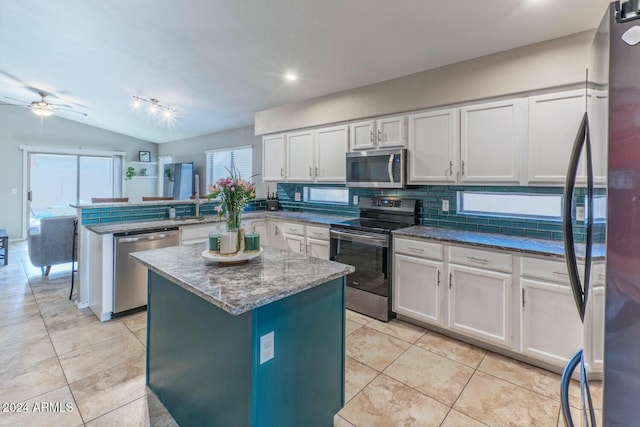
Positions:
(361, 238)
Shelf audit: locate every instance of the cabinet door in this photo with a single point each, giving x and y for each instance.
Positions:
(260, 227)
(417, 288)
(594, 324)
(551, 326)
(361, 135)
(433, 143)
(553, 125)
(300, 157)
(391, 132)
(273, 158)
(331, 146)
(598, 125)
(490, 142)
(318, 248)
(479, 304)
(294, 243)
(276, 236)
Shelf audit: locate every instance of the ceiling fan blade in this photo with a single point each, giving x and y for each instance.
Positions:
(19, 100)
(69, 111)
(12, 77)
(61, 105)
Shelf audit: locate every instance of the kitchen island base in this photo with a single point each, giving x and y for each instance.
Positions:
(204, 363)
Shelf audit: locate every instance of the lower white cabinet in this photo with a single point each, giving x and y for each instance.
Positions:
(318, 248)
(551, 329)
(275, 234)
(294, 243)
(417, 290)
(260, 227)
(479, 303)
(193, 234)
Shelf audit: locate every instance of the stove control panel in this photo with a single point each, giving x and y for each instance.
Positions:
(386, 203)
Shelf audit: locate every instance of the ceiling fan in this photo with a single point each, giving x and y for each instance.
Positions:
(43, 108)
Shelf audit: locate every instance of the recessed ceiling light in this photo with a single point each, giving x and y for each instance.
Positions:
(291, 77)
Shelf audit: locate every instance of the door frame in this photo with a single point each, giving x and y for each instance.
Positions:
(40, 149)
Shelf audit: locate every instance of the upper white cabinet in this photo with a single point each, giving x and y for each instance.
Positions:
(381, 133)
(553, 125)
(433, 146)
(300, 162)
(491, 142)
(598, 125)
(274, 151)
(331, 146)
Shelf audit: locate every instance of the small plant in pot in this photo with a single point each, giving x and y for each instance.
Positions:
(130, 173)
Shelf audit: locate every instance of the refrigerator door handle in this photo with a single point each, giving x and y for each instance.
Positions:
(579, 292)
(585, 392)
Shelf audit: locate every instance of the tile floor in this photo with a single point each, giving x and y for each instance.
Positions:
(73, 370)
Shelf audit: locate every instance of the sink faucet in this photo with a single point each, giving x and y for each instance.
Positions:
(196, 179)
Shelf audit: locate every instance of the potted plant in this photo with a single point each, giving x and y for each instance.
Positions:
(130, 173)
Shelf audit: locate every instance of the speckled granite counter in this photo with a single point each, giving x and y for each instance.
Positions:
(496, 241)
(274, 275)
(128, 227)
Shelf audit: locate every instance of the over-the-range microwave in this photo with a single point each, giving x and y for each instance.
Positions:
(377, 168)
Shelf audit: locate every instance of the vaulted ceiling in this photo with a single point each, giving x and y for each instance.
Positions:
(217, 62)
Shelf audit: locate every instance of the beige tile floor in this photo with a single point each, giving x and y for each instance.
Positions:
(397, 374)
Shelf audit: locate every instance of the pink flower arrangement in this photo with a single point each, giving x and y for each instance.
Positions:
(234, 194)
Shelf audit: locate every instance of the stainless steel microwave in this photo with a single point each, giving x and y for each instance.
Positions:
(377, 168)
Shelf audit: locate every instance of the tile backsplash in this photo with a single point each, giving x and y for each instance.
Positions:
(430, 209)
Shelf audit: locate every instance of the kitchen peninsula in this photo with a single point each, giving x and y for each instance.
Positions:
(260, 344)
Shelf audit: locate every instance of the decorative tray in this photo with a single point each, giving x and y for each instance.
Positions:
(237, 259)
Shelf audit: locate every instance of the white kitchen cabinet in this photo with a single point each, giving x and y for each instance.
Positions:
(275, 234)
(294, 243)
(331, 146)
(598, 125)
(380, 133)
(433, 146)
(260, 227)
(300, 162)
(491, 140)
(274, 151)
(480, 304)
(318, 248)
(418, 288)
(194, 234)
(594, 320)
(551, 329)
(553, 124)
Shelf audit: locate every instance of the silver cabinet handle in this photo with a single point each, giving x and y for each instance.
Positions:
(438, 277)
(415, 249)
(380, 136)
(479, 260)
(310, 171)
(371, 133)
(450, 167)
(301, 247)
(523, 298)
(463, 168)
(559, 273)
(316, 171)
(281, 171)
(450, 279)
(316, 233)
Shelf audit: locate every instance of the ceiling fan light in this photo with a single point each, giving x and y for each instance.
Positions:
(42, 111)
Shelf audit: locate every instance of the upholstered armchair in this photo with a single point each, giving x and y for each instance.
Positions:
(52, 243)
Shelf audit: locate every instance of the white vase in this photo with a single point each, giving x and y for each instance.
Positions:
(229, 243)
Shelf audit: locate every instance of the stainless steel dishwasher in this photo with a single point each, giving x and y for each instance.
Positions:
(130, 288)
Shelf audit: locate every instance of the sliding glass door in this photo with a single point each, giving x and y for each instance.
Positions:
(58, 180)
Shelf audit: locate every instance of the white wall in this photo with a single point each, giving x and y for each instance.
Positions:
(193, 150)
(18, 126)
(554, 63)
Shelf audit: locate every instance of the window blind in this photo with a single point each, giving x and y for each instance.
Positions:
(227, 161)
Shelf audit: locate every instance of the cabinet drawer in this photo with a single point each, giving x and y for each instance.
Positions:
(419, 248)
(555, 271)
(321, 233)
(291, 228)
(480, 258)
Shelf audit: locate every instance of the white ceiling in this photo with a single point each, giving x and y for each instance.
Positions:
(217, 62)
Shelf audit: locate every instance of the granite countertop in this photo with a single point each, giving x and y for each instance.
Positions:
(129, 227)
(272, 276)
(525, 245)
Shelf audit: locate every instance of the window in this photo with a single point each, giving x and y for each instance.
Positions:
(326, 195)
(229, 161)
(545, 206)
(599, 208)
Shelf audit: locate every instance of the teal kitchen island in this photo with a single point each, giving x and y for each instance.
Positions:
(260, 344)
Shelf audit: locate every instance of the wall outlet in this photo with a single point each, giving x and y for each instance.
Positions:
(14, 191)
(445, 205)
(355, 199)
(579, 213)
(297, 196)
(266, 347)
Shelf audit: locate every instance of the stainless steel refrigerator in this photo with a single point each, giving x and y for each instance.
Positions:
(178, 180)
(614, 70)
